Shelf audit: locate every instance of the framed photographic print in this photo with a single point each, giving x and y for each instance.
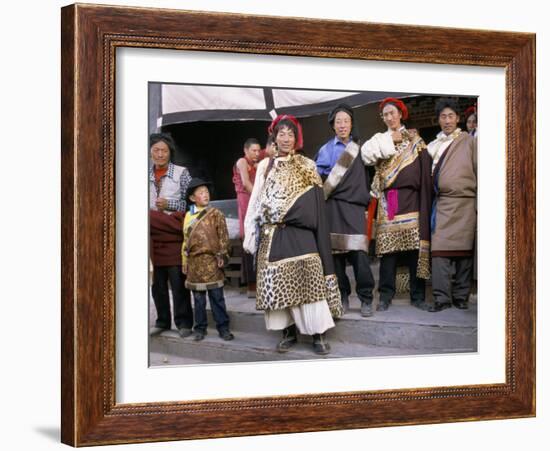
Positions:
(212, 81)
(211, 126)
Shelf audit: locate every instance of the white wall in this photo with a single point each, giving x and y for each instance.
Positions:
(30, 356)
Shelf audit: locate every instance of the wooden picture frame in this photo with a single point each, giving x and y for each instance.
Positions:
(90, 37)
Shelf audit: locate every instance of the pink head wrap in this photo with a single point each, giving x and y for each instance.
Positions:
(299, 139)
(398, 104)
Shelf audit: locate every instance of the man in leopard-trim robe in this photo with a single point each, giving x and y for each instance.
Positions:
(454, 211)
(402, 186)
(346, 187)
(286, 227)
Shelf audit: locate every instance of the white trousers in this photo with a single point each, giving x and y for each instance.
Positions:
(313, 318)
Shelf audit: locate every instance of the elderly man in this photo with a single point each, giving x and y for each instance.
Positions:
(346, 189)
(454, 210)
(167, 200)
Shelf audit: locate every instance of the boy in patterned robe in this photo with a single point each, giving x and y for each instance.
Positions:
(205, 252)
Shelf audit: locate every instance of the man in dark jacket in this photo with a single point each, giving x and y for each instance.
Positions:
(346, 188)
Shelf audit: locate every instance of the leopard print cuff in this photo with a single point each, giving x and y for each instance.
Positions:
(333, 296)
(423, 269)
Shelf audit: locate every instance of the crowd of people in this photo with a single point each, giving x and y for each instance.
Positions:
(302, 220)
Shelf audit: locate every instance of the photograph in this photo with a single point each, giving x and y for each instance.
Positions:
(297, 224)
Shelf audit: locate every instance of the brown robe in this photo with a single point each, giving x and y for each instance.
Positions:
(205, 240)
(456, 201)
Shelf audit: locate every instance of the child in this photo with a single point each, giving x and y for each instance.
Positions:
(204, 254)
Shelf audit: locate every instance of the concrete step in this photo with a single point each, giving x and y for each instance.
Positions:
(401, 330)
(401, 326)
(169, 348)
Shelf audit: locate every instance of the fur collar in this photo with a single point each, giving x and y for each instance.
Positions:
(340, 168)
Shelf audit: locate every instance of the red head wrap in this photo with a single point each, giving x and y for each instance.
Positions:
(398, 104)
(470, 110)
(299, 139)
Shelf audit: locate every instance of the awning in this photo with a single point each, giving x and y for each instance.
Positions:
(177, 103)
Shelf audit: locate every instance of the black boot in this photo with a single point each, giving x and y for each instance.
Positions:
(320, 344)
(366, 309)
(290, 338)
(460, 304)
(438, 306)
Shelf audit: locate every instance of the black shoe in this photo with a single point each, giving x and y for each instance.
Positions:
(462, 305)
(320, 344)
(184, 332)
(290, 338)
(421, 305)
(438, 306)
(226, 335)
(382, 306)
(366, 309)
(199, 335)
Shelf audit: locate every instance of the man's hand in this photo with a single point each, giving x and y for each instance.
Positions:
(161, 203)
(184, 268)
(396, 136)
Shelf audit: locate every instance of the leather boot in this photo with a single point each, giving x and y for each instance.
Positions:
(438, 306)
(320, 344)
(290, 338)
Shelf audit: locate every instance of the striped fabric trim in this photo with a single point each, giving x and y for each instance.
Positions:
(424, 246)
(399, 162)
(203, 286)
(404, 221)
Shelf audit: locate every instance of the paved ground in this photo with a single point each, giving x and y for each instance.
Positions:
(401, 330)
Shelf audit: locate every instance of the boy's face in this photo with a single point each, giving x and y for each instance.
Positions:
(201, 196)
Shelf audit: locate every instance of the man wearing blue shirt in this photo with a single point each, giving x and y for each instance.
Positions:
(346, 187)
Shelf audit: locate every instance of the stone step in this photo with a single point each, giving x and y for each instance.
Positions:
(401, 326)
(169, 348)
(401, 330)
